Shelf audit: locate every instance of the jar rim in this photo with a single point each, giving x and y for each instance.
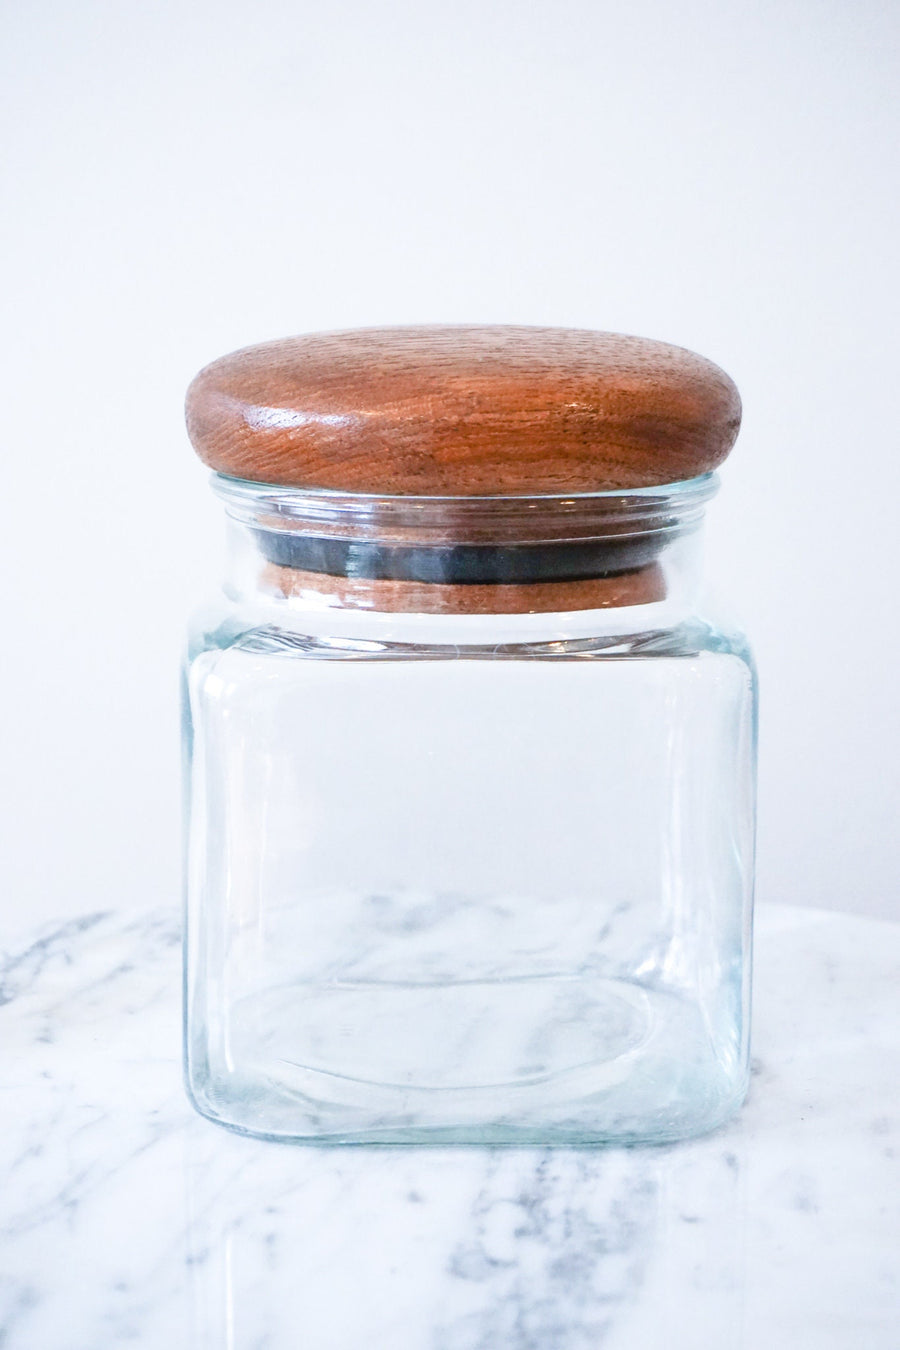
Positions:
(689, 490)
(488, 520)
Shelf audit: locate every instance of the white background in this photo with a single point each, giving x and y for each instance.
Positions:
(185, 178)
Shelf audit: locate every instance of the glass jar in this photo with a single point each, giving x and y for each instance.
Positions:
(471, 795)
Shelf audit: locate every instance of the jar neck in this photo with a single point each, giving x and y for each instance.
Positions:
(325, 551)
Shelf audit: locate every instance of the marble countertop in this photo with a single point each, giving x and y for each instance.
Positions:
(127, 1220)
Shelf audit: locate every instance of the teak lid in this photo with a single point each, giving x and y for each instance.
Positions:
(463, 411)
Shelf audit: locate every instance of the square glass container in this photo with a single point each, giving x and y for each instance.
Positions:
(471, 820)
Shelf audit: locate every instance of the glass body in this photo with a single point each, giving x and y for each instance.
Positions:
(467, 877)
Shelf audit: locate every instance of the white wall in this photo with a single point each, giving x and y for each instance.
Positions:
(186, 178)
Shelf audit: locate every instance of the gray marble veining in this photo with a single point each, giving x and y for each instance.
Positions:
(127, 1220)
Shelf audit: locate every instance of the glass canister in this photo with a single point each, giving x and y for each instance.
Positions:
(470, 766)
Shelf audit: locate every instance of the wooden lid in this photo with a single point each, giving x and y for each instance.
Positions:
(463, 411)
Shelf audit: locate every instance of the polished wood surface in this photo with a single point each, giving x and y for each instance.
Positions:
(467, 411)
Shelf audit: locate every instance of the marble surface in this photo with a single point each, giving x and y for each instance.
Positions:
(127, 1220)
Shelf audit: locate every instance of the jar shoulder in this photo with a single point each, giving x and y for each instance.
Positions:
(224, 627)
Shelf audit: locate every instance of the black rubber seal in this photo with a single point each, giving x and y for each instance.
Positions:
(460, 564)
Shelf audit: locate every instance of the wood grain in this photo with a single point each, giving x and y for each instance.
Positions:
(640, 587)
(467, 411)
